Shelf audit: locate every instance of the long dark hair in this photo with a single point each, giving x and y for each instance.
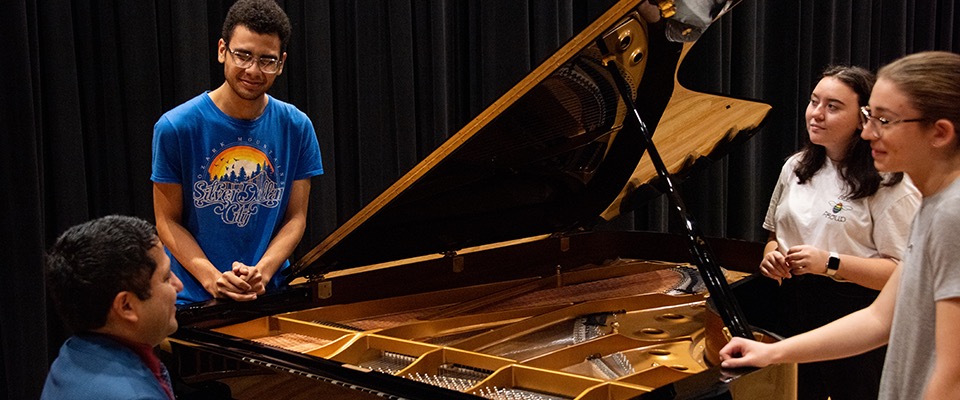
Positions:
(856, 169)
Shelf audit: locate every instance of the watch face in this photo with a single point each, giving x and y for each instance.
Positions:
(833, 263)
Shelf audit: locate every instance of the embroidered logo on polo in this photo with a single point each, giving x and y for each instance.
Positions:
(238, 179)
(836, 207)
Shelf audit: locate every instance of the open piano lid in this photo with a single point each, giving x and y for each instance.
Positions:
(558, 152)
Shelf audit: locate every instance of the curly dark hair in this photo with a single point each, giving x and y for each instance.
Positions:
(261, 16)
(856, 168)
(91, 262)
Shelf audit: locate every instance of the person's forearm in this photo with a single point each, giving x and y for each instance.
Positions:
(772, 243)
(168, 211)
(941, 388)
(944, 383)
(872, 273)
(770, 246)
(281, 247)
(848, 336)
(186, 250)
(290, 232)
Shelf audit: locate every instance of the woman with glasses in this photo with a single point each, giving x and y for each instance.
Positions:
(911, 123)
(837, 230)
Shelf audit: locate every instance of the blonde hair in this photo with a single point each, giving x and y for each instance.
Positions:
(931, 81)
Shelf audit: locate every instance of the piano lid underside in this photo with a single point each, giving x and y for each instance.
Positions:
(548, 156)
(543, 165)
(560, 152)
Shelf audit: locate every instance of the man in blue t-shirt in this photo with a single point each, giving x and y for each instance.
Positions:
(232, 167)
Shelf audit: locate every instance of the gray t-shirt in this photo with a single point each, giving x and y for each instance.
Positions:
(930, 272)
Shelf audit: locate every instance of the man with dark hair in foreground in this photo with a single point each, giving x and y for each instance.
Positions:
(110, 280)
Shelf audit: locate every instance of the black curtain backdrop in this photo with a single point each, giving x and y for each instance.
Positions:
(385, 83)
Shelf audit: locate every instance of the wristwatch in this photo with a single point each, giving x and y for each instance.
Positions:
(833, 263)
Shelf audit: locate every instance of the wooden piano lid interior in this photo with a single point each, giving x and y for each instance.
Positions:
(557, 153)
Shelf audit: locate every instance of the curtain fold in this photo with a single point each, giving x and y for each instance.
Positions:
(385, 82)
(23, 322)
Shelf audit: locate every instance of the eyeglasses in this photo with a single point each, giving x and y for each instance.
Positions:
(879, 123)
(268, 65)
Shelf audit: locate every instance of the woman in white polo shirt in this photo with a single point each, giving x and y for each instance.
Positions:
(837, 228)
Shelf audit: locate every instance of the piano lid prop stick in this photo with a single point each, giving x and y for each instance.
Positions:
(716, 283)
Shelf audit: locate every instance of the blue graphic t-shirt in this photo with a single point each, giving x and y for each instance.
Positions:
(235, 175)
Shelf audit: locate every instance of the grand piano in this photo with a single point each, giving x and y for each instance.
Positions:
(480, 274)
